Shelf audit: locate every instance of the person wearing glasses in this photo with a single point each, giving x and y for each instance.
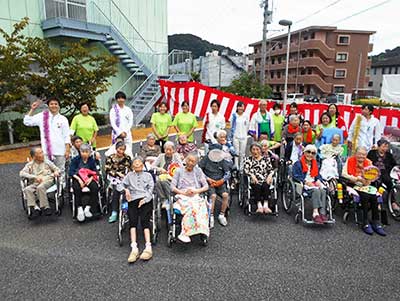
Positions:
(306, 171)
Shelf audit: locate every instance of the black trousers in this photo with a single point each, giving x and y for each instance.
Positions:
(144, 213)
(261, 192)
(369, 201)
(161, 143)
(94, 193)
(115, 199)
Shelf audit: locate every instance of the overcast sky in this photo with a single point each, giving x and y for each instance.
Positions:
(237, 23)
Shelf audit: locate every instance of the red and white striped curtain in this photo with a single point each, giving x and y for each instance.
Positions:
(200, 96)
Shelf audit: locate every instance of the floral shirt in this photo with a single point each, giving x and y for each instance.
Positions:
(118, 167)
(258, 168)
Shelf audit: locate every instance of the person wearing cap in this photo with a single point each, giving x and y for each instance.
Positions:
(260, 170)
(54, 132)
(384, 160)
(150, 151)
(306, 172)
(116, 167)
(138, 188)
(83, 172)
(121, 120)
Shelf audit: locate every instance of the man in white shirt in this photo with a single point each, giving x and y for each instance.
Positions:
(121, 119)
(54, 132)
(365, 130)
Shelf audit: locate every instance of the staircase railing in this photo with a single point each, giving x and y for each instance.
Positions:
(110, 14)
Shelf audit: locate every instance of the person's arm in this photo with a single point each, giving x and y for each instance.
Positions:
(253, 127)
(26, 174)
(174, 183)
(108, 167)
(351, 132)
(175, 123)
(53, 167)
(194, 125)
(73, 168)
(95, 131)
(272, 126)
(149, 187)
(297, 171)
(153, 127)
(203, 182)
(346, 175)
(66, 135)
(34, 120)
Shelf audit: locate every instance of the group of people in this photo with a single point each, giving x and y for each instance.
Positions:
(167, 167)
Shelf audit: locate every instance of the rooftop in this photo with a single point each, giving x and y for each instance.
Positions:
(318, 28)
(393, 61)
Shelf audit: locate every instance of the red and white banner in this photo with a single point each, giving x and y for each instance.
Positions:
(200, 96)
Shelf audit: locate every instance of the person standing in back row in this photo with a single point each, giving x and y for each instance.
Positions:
(261, 124)
(213, 122)
(365, 130)
(54, 132)
(239, 131)
(121, 120)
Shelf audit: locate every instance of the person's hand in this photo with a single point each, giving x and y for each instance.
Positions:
(190, 192)
(81, 183)
(141, 203)
(39, 180)
(269, 179)
(254, 179)
(88, 181)
(56, 174)
(210, 181)
(123, 135)
(92, 141)
(36, 104)
(309, 184)
(128, 195)
(163, 171)
(67, 153)
(374, 147)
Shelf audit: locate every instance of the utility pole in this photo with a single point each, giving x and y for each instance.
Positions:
(264, 4)
(358, 75)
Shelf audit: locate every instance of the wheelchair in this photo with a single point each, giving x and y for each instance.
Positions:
(174, 219)
(246, 196)
(123, 220)
(394, 194)
(54, 196)
(299, 199)
(285, 185)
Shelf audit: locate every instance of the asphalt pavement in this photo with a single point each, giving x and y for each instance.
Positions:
(253, 258)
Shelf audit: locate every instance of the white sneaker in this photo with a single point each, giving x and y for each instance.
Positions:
(88, 214)
(222, 220)
(184, 238)
(211, 221)
(81, 215)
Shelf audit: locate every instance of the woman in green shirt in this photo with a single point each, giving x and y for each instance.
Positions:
(85, 126)
(161, 122)
(185, 122)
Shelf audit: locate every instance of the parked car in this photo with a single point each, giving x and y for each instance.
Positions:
(276, 96)
(332, 98)
(295, 97)
(311, 98)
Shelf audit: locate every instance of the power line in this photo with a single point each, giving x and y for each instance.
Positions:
(318, 11)
(360, 12)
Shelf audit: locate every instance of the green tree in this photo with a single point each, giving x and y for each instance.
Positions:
(71, 73)
(195, 76)
(247, 85)
(14, 65)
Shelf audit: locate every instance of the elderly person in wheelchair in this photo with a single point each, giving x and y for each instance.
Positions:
(260, 171)
(306, 172)
(187, 185)
(354, 171)
(40, 174)
(83, 172)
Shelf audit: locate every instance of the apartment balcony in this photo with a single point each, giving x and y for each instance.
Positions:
(309, 62)
(370, 47)
(327, 52)
(309, 79)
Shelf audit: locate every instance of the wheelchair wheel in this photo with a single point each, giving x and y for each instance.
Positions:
(391, 200)
(121, 222)
(288, 195)
(297, 217)
(23, 200)
(346, 217)
(170, 239)
(154, 238)
(204, 240)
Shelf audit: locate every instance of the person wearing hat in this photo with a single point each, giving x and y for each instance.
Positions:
(54, 132)
(260, 170)
(83, 172)
(306, 172)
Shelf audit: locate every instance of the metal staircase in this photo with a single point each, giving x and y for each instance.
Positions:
(103, 21)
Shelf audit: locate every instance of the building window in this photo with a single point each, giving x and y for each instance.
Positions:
(273, 61)
(272, 74)
(279, 60)
(343, 40)
(338, 89)
(367, 71)
(309, 71)
(342, 57)
(390, 70)
(370, 84)
(340, 73)
(312, 36)
(303, 71)
(396, 71)
(278, 74)
(374, 71)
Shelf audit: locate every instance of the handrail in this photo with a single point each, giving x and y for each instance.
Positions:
(154, 71)
(134, 28)
(111, 23)
(130, 77)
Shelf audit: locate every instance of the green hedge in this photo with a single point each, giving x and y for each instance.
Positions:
(22, 133)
